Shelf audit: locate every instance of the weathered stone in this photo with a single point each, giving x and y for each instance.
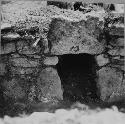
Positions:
(117, 42)
(12, 89)
(119, 8)
(122, 52)
(24, 62)
(117, 52)
(120, 67)
(102, 60)
(120, 41)
(2, 68)
(50, 60)
(49, 85)
(8, 48)
(119, 31)
(10, 37)
(110, 84)
(24, 47)
(72, 38)
(32, 94)
(23, 71)
(6, 26)
(117, 62)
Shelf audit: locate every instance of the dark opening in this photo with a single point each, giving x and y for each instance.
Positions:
(78, 74)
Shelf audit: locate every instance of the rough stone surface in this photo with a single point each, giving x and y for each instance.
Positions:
(8, 48)
(49, 85)
(72, 38)
(13, 89)
(32, 32)
(25, 47)
(2, 68)
(118, 31)
(23, 71)
(102, 60)
(117, 62)
(24, 62)
(117, 51)
(9, 37)
(50, 60)
(110, 84)
(117, 42)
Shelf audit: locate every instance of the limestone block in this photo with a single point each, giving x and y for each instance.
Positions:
(110, 84)
(50, 60)
(73, 37)
(49, 85)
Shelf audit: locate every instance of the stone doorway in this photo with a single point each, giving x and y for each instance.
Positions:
(78, 76)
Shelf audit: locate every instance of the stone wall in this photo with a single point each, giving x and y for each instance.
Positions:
(111, 79)
(32, 38)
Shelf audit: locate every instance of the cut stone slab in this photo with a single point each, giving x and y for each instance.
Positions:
(73, 37)
(49, 85)
(110, 84)
(50, 60)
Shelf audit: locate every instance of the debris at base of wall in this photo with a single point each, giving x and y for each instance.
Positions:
(72, 116)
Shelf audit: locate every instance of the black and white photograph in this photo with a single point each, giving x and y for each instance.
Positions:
(62, 62)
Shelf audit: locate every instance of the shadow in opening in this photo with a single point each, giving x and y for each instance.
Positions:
(78, 74)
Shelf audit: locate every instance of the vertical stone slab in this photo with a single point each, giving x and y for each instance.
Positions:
(110, 84)
(49, 85)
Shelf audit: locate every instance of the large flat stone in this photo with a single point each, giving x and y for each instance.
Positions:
(49, 85)
(110, 84)
(74, 37)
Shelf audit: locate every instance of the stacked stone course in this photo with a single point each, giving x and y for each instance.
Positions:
(30, 50)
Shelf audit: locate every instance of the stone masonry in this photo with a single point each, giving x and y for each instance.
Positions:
(33, 35)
